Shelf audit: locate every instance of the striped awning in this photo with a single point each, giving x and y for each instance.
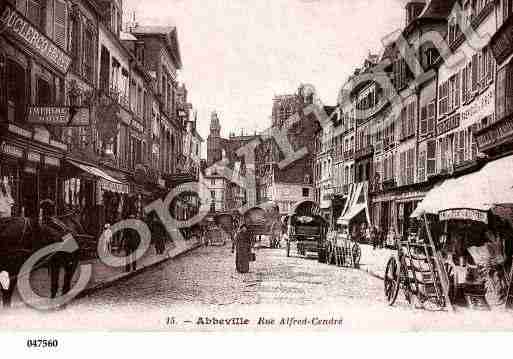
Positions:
(106, 182)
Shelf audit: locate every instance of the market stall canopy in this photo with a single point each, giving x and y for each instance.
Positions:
(482, 190)
(356, 203)
(351, 213)
(106, 181)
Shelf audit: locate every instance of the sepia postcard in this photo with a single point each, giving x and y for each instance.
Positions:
(241, 166)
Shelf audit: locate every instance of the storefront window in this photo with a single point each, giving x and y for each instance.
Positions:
(16, 91)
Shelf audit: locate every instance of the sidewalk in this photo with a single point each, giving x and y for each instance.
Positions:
(375, 261)
(102, 275)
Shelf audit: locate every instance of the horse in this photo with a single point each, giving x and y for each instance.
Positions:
(20, 237)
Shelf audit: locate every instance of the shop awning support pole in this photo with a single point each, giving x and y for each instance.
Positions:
(444, 278)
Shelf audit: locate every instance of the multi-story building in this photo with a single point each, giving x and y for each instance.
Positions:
(495, 138)
(32, 77)
(162, 58)
(324, 164)
(81, 130)
(227, 189)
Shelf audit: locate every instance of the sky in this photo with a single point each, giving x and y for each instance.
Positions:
(238, 54)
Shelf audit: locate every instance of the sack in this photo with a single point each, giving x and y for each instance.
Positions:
(252, 257)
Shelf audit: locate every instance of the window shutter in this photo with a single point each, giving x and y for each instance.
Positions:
(475, 67)
(421, 167)
(509, 89)
(402, 168)
(431, 157)
(457, 91)
(501, 94)
(491, 66)
(461, 150)
(431, 108)
(464, 85)
(440, 99)
(59, 28)
(34, 12)
(423, 120)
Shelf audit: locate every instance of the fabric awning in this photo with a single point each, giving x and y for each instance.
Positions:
(351, 213)
(482, 190)
(106, 182)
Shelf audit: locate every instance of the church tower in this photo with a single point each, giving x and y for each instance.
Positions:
(214, 148)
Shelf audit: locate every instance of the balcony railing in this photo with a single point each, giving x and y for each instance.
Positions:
(364, 152)
(348, 154)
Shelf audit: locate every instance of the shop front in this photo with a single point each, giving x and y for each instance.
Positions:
(29, 173)
(355, 217)
(473, 217)
(96, 195)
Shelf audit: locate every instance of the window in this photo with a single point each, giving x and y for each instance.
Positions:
(431, 158)
(16, 92)
(44, 93)
(306, 192)
(213, 181)
(88, 48)
(443, 101)
(421, 166)
(104, 68)
(504, 92)
(59, 27)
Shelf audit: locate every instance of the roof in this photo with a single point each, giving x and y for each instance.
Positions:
(168, 32)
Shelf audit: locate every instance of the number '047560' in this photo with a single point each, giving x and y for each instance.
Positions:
(42, 343)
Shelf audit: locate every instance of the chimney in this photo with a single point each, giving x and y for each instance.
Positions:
(413, 10)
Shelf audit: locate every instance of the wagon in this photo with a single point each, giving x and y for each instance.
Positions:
(307, 230)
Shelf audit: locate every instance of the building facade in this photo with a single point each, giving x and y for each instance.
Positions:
(83, 117)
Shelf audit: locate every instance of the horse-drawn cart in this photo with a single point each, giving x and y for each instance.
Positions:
(307, 230)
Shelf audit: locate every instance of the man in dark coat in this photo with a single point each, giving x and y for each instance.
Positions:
(243, 249)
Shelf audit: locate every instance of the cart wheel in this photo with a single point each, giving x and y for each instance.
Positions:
(391, 281)
(357, 254)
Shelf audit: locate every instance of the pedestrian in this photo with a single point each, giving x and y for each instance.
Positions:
(106, 239)
(243, 249)
(131, 242)
(374, 237)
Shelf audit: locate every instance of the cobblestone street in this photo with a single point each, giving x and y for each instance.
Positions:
(208, 276)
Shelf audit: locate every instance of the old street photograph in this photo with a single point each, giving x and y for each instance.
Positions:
(278, 165)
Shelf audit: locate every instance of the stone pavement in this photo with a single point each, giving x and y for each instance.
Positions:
(374, 261)
(103, 275)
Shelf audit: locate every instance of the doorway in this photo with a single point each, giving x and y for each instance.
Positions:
(29, 195)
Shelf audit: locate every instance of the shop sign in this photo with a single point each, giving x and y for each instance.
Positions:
(113, 187)
(489, 137)
(52, 161)
(449, 124)
(502, 42)
(40, 43)
(12, 150)
(58, 115)
(33, 156)
(464, 214)
(483, 106)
